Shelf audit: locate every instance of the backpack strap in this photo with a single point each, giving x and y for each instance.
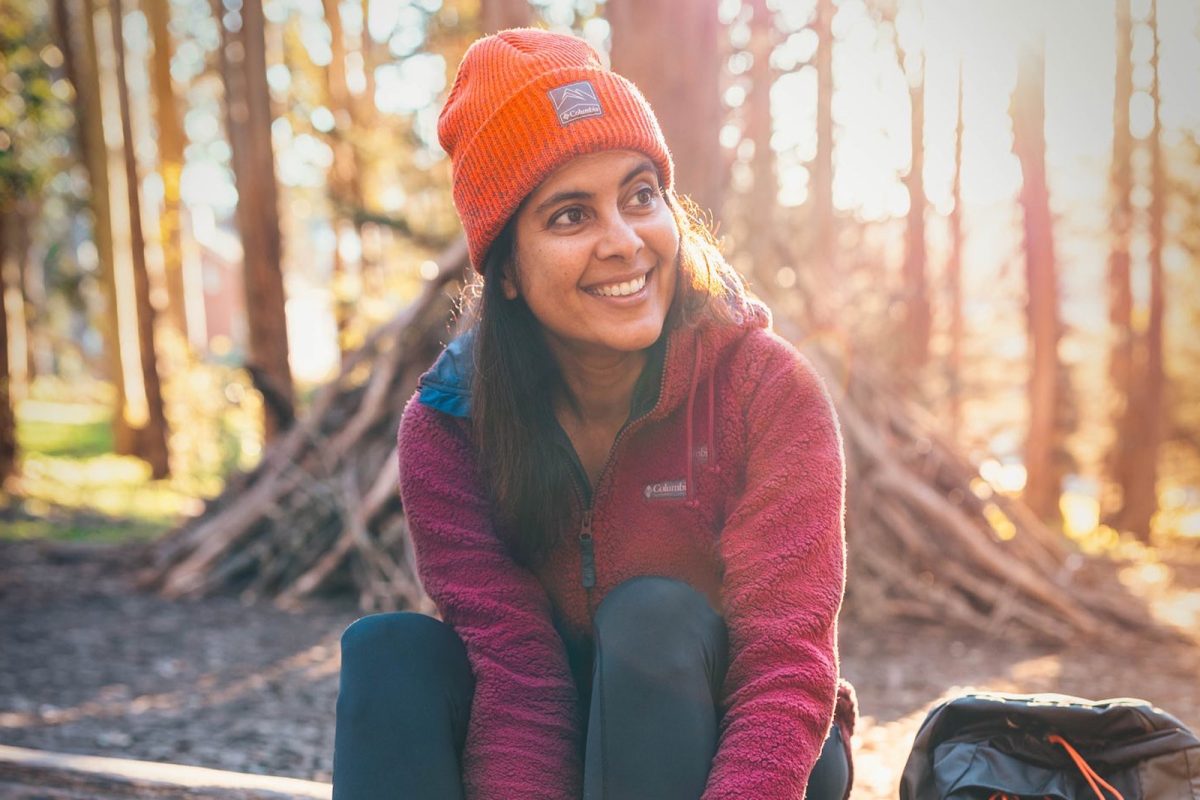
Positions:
(1090, 774)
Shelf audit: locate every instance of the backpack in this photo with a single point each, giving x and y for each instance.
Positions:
(999, 746)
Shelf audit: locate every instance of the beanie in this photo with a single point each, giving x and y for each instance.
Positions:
(524, 102)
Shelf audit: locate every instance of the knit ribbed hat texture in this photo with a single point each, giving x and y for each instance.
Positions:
(524, 102)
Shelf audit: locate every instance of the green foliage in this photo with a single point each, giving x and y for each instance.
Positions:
(73, 487)
(68, 527)
(83, 440)
(214, 415)
(34, 115)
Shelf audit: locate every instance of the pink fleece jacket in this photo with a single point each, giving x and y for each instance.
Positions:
(732, 482)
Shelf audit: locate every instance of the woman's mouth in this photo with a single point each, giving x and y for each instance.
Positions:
(621, 289)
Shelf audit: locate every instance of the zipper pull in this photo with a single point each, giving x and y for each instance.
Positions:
(587, 551)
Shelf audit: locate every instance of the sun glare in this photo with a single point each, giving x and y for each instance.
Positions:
(871, 108)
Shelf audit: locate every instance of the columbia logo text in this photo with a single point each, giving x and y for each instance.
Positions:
(575, 101)
(664, 490)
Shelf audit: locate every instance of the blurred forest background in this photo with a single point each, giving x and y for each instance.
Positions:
(218, 220)
(228, 249)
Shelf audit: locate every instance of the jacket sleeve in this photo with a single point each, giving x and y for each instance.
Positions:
(783, 547)
(522, 740)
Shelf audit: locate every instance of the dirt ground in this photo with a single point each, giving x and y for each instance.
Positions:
(88, 665)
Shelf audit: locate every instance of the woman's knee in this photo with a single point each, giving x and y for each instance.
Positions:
(402, 653)
(660, 619)
(403, 675)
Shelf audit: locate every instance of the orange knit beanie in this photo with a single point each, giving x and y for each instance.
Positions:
(524, 102)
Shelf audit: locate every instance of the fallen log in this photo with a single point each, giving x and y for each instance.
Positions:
(42, 775)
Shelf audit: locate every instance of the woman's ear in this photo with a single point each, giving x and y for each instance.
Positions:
(507, 284)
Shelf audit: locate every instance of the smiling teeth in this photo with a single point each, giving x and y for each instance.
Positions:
(620, 289)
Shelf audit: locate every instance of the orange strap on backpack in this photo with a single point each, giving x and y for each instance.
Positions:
(1093, 777)
(1090, 775)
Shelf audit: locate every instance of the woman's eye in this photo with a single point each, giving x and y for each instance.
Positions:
(571, 216)
(644, 195)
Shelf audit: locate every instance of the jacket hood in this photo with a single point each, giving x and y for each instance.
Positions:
(446, 386)
(690, 353)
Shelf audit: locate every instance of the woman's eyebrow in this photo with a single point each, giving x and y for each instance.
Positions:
(576, 194)
(642, 166)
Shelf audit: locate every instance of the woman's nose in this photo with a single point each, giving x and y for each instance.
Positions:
(619, 239)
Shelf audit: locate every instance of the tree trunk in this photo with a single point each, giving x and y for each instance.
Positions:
(916, 315)
(345, 192)
(683, 90)
(824, 227)
(170, 163)
(1120, 296)
(248, 118)
(1044, 442)
(366, 101)
(762, 203)
(916, 291)
(153, 435)
(8, 427)
(1140, 496)
(496, 15)
(17, 316)
(954, 276)
(84, 74)
(31, 280)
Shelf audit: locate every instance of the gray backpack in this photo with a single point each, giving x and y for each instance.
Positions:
(998, 746)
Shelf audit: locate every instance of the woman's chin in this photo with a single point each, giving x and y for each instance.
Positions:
(637, 336)
(630, 339)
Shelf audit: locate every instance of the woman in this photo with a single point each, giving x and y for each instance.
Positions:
(625, 494)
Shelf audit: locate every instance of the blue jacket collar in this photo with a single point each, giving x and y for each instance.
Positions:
(446, 386)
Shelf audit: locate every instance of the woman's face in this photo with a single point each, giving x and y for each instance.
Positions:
(596, 248)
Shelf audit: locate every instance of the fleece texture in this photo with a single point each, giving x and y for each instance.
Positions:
(732, 482)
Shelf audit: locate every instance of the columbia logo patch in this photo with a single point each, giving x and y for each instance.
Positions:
(575, 101)
(665, 490)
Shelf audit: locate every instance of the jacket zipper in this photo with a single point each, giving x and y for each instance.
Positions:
(588, 552)
(587, 549)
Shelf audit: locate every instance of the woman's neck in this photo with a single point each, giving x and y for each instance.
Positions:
(599, 386)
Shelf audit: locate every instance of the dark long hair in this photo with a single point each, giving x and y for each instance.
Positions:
(516, 379)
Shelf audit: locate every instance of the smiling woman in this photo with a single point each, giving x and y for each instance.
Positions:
(624, 492)
(595, 258)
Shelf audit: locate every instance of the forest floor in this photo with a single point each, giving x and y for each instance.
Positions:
(90, 665)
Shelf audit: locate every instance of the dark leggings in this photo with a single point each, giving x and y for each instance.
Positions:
(659, 660)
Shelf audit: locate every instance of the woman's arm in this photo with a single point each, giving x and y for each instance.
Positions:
(523, 736)
(784, 551)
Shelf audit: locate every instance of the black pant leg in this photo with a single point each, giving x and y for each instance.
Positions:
(659, 664)
(404, 701)
(831, 774)
(661, 653)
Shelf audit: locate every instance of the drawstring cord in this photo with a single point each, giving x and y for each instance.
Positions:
(712, 439)
(1090, 775)
(691, 403)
